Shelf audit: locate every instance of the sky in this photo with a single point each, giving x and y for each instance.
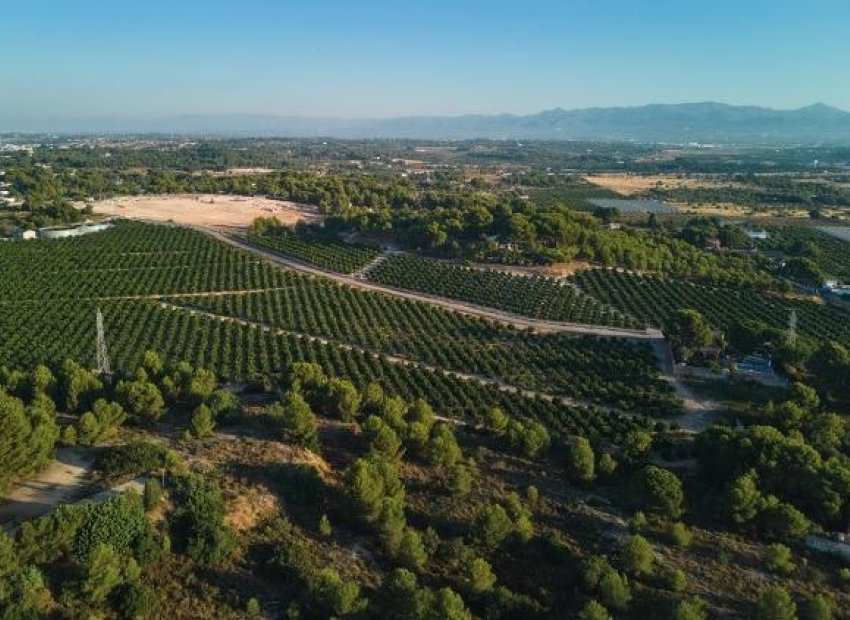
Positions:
(367, 58)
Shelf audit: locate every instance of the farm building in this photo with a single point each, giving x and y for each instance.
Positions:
(71, 231)
(26, 235)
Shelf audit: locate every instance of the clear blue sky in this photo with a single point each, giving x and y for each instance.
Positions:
(61, 58)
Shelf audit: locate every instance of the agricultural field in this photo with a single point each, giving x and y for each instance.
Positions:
(654, 299)
(634, 205)
(573, 196)
(323, 253)
(608, 371)
(533, 296)
(828, 247)
(127, 260)
(133, 271)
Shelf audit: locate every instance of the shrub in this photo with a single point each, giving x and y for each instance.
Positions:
(252, 608)
(138, 601)
(117, 522)
(142, 400)
(638, 522)
(325, 529)
(411, 552)
(401, 597)
(223, 404)
(336, 596)
(479, 577)
(690, 609)
(131, 460)
(342, 399)
(298, 421)
(679, 535)
(581, 461)
(593, 610)
(448, 605)
(443, 449)
(202, 424)
(152, 494)
(818, 607)
(606, 465)
(676, 580)
(199, 521)
(103, 574)
(496, 421)
(660, 491)
(614, 591)
(493, 526)
(638, 556)
(460, 479)
(777, 559)
(100, 423)
(776, 604)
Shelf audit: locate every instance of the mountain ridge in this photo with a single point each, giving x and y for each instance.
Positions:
(698, 122)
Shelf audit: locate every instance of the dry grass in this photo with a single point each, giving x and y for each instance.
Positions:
(252, 506)
(637, 184)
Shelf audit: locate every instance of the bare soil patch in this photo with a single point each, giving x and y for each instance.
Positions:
(555, 270)
(219, 211)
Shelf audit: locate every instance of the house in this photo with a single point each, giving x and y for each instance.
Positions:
(26, 235)
(713, 245)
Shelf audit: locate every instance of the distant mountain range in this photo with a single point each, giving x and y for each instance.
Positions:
(706, 123)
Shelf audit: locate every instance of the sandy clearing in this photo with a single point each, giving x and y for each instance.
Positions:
(220, 211)
(64, 480)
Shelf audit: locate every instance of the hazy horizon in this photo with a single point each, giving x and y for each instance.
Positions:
(387, 60)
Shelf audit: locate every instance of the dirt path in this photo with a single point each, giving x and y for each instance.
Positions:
(363, 272)
(492, 314)
(698, 413)
(65, 480)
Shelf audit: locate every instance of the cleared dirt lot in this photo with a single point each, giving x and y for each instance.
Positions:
(205, 209)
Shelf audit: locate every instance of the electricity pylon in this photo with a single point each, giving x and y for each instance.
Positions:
(103, 367)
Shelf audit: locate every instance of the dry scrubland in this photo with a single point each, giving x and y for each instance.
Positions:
(205, 209)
